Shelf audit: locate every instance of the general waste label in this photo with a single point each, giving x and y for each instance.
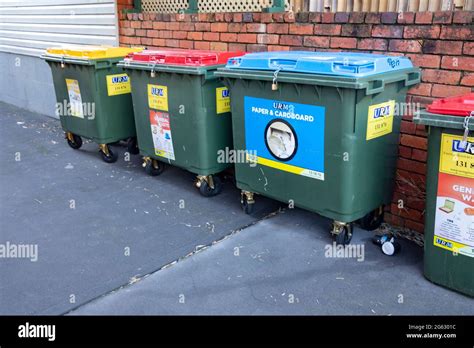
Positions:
(454, 218)
(380, 119)
(158, 97)
(118, 84)
(286, 136)
(222, 100)
(75, 98)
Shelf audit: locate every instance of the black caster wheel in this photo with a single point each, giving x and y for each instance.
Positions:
(75, 143)
(207, 191)
(345, 237)
(247, 207)
(132, 146)
(372, 220)
(110, 157)
(154, 168)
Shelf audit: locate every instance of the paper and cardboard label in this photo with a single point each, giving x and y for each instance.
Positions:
(454, 218)
(75, 99)
(380, 119)
(118, 84)
(222, 100)
(158, 97)
(161, 133)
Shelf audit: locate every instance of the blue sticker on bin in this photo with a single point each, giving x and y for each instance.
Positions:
(286, 136)
(326, 63)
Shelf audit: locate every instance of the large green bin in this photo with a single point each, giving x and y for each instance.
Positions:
(321, 131)
(182, 112)
(449, 220)
(93, 96)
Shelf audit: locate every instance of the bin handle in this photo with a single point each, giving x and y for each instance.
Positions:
(283, 63)
(375, 86)
(413, 78)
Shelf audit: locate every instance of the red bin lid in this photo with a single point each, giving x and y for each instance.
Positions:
(456, 106)
(183, 57)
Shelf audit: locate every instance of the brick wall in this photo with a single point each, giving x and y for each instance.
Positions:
(124, 5)
(441, 43)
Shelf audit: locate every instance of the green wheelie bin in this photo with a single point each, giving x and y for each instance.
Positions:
(93, 96)
(320, 130)
(449, 220)
(182, 112)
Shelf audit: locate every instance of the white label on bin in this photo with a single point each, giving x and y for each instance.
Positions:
(454, 218)
(161, 133)
(75, 99)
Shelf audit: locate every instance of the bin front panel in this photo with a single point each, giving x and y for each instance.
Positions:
(182, 119)
(335, 158)
(449, 230)
(95, 103)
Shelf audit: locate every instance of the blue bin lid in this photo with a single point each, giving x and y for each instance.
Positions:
(327, 63)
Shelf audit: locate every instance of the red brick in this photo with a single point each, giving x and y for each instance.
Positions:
(267, 18)
(219, 27)
(278, 17)
(233, 47)
(159, 42)
(419, 155)
(407, 213)
(458, 63)
(327, 29)
(147, 25)
(411, 166)
(408, 127)
(373, 18)
(395, 31)
(202, 45)
(291, 40)
(301, 29)
(159, 25)
(278, 48)
(237, 28)
(153, 33)
(256, 48)
(415, 226)
(247, 38)
(180, 34)
(186, 44)
(269, 39)
(316, 41)
(173, 26)
(423, 101)
(425, 60)
(146, 41)
(469, 48)
(237, 17)
(136, 24)
(421, 32)
(219, 46)
(127, 31)
(164, 34)
(421, 130)
(441, 76)
(449, 91)
(204, 17)
(357, 17)
(442, 47)
(414, 141)
(327, 17)
(389, 17)
(413, 46)
(343, 42)
(277, 28)
(394, 220)
(406, 17)
(373, 44)
(463, 17)
(424, 17)
(219, 17)
(210, 36)
(442, 17)
(457, 32)
(289, 17)
(229, 37)
(202, 26)
(404, 151)
(256, 27)
(140, 32)
(188, 26)
(172, 43)
(357, 30)
(195, 35)
(468, 79)
(314, 17)
(421, 89)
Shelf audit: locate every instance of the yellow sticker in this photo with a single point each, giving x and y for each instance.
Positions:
(380, 119)
(75, 98)
(118, 84)
(455, 159)
(158, 97)
(222, 100)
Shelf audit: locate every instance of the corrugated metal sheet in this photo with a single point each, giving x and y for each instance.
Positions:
(30, 26)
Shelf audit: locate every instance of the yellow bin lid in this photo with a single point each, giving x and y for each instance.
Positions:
(92, 52)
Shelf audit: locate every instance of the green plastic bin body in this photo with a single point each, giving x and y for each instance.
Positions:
(449, 259)
(358, 174)
(190, 102)
(105, 118)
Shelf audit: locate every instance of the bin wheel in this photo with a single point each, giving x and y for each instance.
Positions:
(110, 157)
(154, 167)
(132, 146)
(372, 220)
(75, 142)
(247, 207)
(345, 236)
(207, 191)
